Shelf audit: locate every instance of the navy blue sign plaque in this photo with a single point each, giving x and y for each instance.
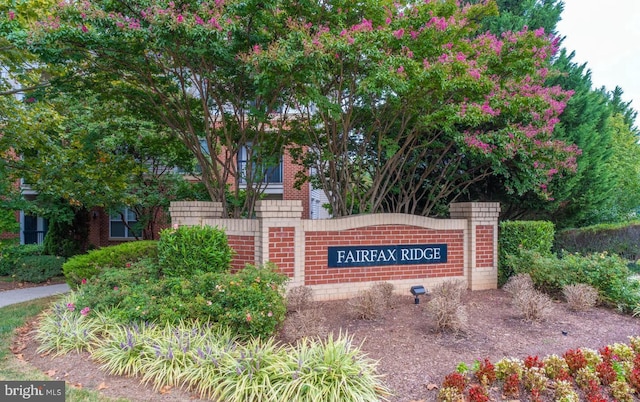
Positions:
(404, 254)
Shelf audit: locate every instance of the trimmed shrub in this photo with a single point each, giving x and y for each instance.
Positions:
(86, 266)
(126, 289)
(620, 239)
(193, 250)
(10, 254)
(251, 302)
(522, 235)
(38, 268)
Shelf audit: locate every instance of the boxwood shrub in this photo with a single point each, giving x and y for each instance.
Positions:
(10, 254)
(514, 236)
(193, 250)
(38, 268)
(86, 266)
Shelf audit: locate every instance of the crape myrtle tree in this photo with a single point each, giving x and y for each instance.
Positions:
(407, 105)
(590, 120)
(395, 107)
(187, 60)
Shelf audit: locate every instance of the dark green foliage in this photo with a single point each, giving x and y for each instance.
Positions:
(68, 238)
(522, 235)
(86, 266)
(607, 273)
(191, 251)
(623, 240)
(38, 268)
(9, 256)
(250, 302)
(124, 288)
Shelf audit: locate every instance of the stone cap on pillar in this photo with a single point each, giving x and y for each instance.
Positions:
(474, 210)
(198, 209)
(266, 209)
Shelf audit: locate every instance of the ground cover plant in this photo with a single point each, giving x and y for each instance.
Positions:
(213, 362)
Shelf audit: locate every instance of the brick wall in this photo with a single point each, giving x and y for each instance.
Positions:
(244, 248)
(299, 247)
(282, 249)
(484, 246)
(318, 273)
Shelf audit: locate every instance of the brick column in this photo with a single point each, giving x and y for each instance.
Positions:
(282, 237)
(481, 239)
(191, 213)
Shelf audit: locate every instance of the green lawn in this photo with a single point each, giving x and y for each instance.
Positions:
(11, 369)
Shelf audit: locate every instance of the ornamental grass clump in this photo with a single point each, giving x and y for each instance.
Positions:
(331, 370)
(518, 283)
(446, 308)
(125, 348)
(68, 327)
(533, 305)
(580, 296)
(306, 323)
(253, 373)
(299, 298)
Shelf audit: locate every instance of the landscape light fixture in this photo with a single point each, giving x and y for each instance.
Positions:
(417, 291)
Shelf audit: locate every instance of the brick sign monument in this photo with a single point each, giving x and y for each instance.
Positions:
(338, 257)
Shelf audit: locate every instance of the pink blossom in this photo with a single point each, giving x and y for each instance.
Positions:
(214, 23)
(248, 317)
(115, 288)
(350, 40)
(474, 73)
(486, 108)
(85, 311)
(388, 21)
(539, 32)
(414, 34)
(425, 63)
(399, 33)
(257, 49)
(199, 20)
(365, 26)
(12, 15)
(71, 306)
(461, 57)
(400, 70)
(270, 314)
(84, 29)
(179, 18)
(83, 281)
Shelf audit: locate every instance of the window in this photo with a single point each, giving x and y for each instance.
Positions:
(118, 228)
(270, 174)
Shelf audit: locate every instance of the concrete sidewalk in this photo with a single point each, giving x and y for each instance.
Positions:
(9, 297)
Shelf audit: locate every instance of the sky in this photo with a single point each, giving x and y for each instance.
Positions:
(605, 35)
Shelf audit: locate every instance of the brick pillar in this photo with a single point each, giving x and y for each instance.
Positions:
(481, 252)
(282, 237)
(191, 213)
